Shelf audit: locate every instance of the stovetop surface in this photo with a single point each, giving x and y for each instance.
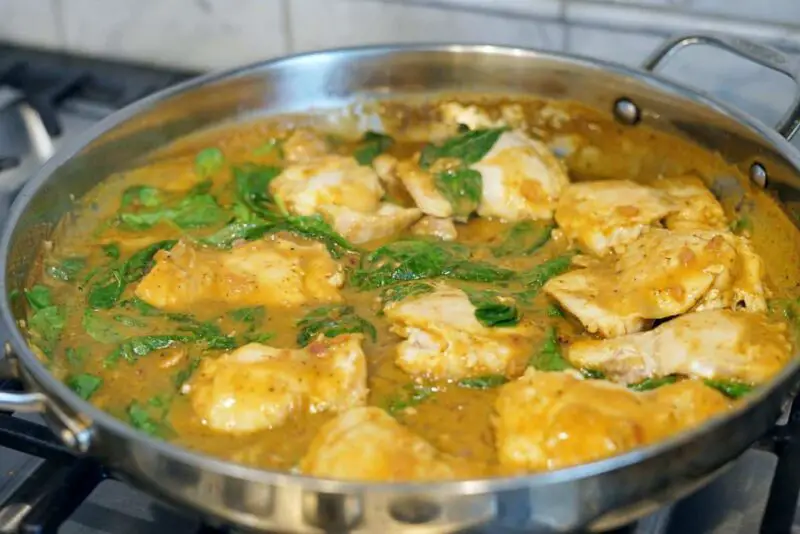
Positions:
(46, 98)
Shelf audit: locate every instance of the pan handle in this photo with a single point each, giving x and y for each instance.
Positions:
(763, 55)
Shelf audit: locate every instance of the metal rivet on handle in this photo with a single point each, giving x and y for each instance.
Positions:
(626, 112)
(758, 175)
(414, 511)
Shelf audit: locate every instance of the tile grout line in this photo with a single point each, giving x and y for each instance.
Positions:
(288, 30)
(677, 19)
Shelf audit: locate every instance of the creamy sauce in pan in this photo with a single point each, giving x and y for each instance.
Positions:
(150, 365)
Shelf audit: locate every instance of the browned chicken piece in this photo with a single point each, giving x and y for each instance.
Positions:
(385, 166)
(444, 229)
(368, 444)
(336, 180)
(607, 215)
(548, 421)
(346, 194)
(444, 340)
(421, 185)
(662, 274)
(522, 179)
(270, 272)
(258, 387)
(472, 116)
(303, 146)
(717, 344)
(359, 227)
(698, 208)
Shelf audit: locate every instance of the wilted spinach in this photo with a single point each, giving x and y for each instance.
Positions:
(331, 321)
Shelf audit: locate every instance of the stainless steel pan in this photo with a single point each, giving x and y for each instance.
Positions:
(594, 496)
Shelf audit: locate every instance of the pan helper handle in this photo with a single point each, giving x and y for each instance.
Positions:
(763, 55)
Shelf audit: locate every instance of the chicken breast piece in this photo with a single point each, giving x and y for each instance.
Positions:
(444, 229)
(697, 207)
(331, 180)
(470, 116)
(662, 274)
(548, 421)
(421, 185)
(359, 227)
(716, 344)
(275, 272)
(607, 215)
(304, 146)
(368, 444)
(444, 340)
(257, 387)
(522, 179)
(346, 194)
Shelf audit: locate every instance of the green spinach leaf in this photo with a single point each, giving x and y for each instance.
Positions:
(273, 145)
(142, 196)
(331, 321)
(534, 279)
(549, 356)
(134, 348)
(252, 187)
(462, 188)
(483, 382)
(149, 417)
(593, 374)
(411, 395)
(111, 250)
(404, 291)
(208, 161)
(47, 320)
(105, 293)
(85, 384)
(523, 239)
(39, 297)
(182, 376)
(372, 145)
(652, 383)
(254, 315)
(197, 211)
(469, 147)
(742, 224)
(67, 270)
(99, 328)
(75, 356)
(494, 310)
(415, 259)
(730, 388)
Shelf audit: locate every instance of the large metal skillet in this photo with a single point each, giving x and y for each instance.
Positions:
(594, 496)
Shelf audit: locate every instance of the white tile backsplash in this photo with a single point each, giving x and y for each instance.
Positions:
(211, 34)
(203, 34)
(628, 48)
(31, 22)
(548, 9)
(352, 22)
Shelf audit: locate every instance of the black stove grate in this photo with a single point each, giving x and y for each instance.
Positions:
(61, 483)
